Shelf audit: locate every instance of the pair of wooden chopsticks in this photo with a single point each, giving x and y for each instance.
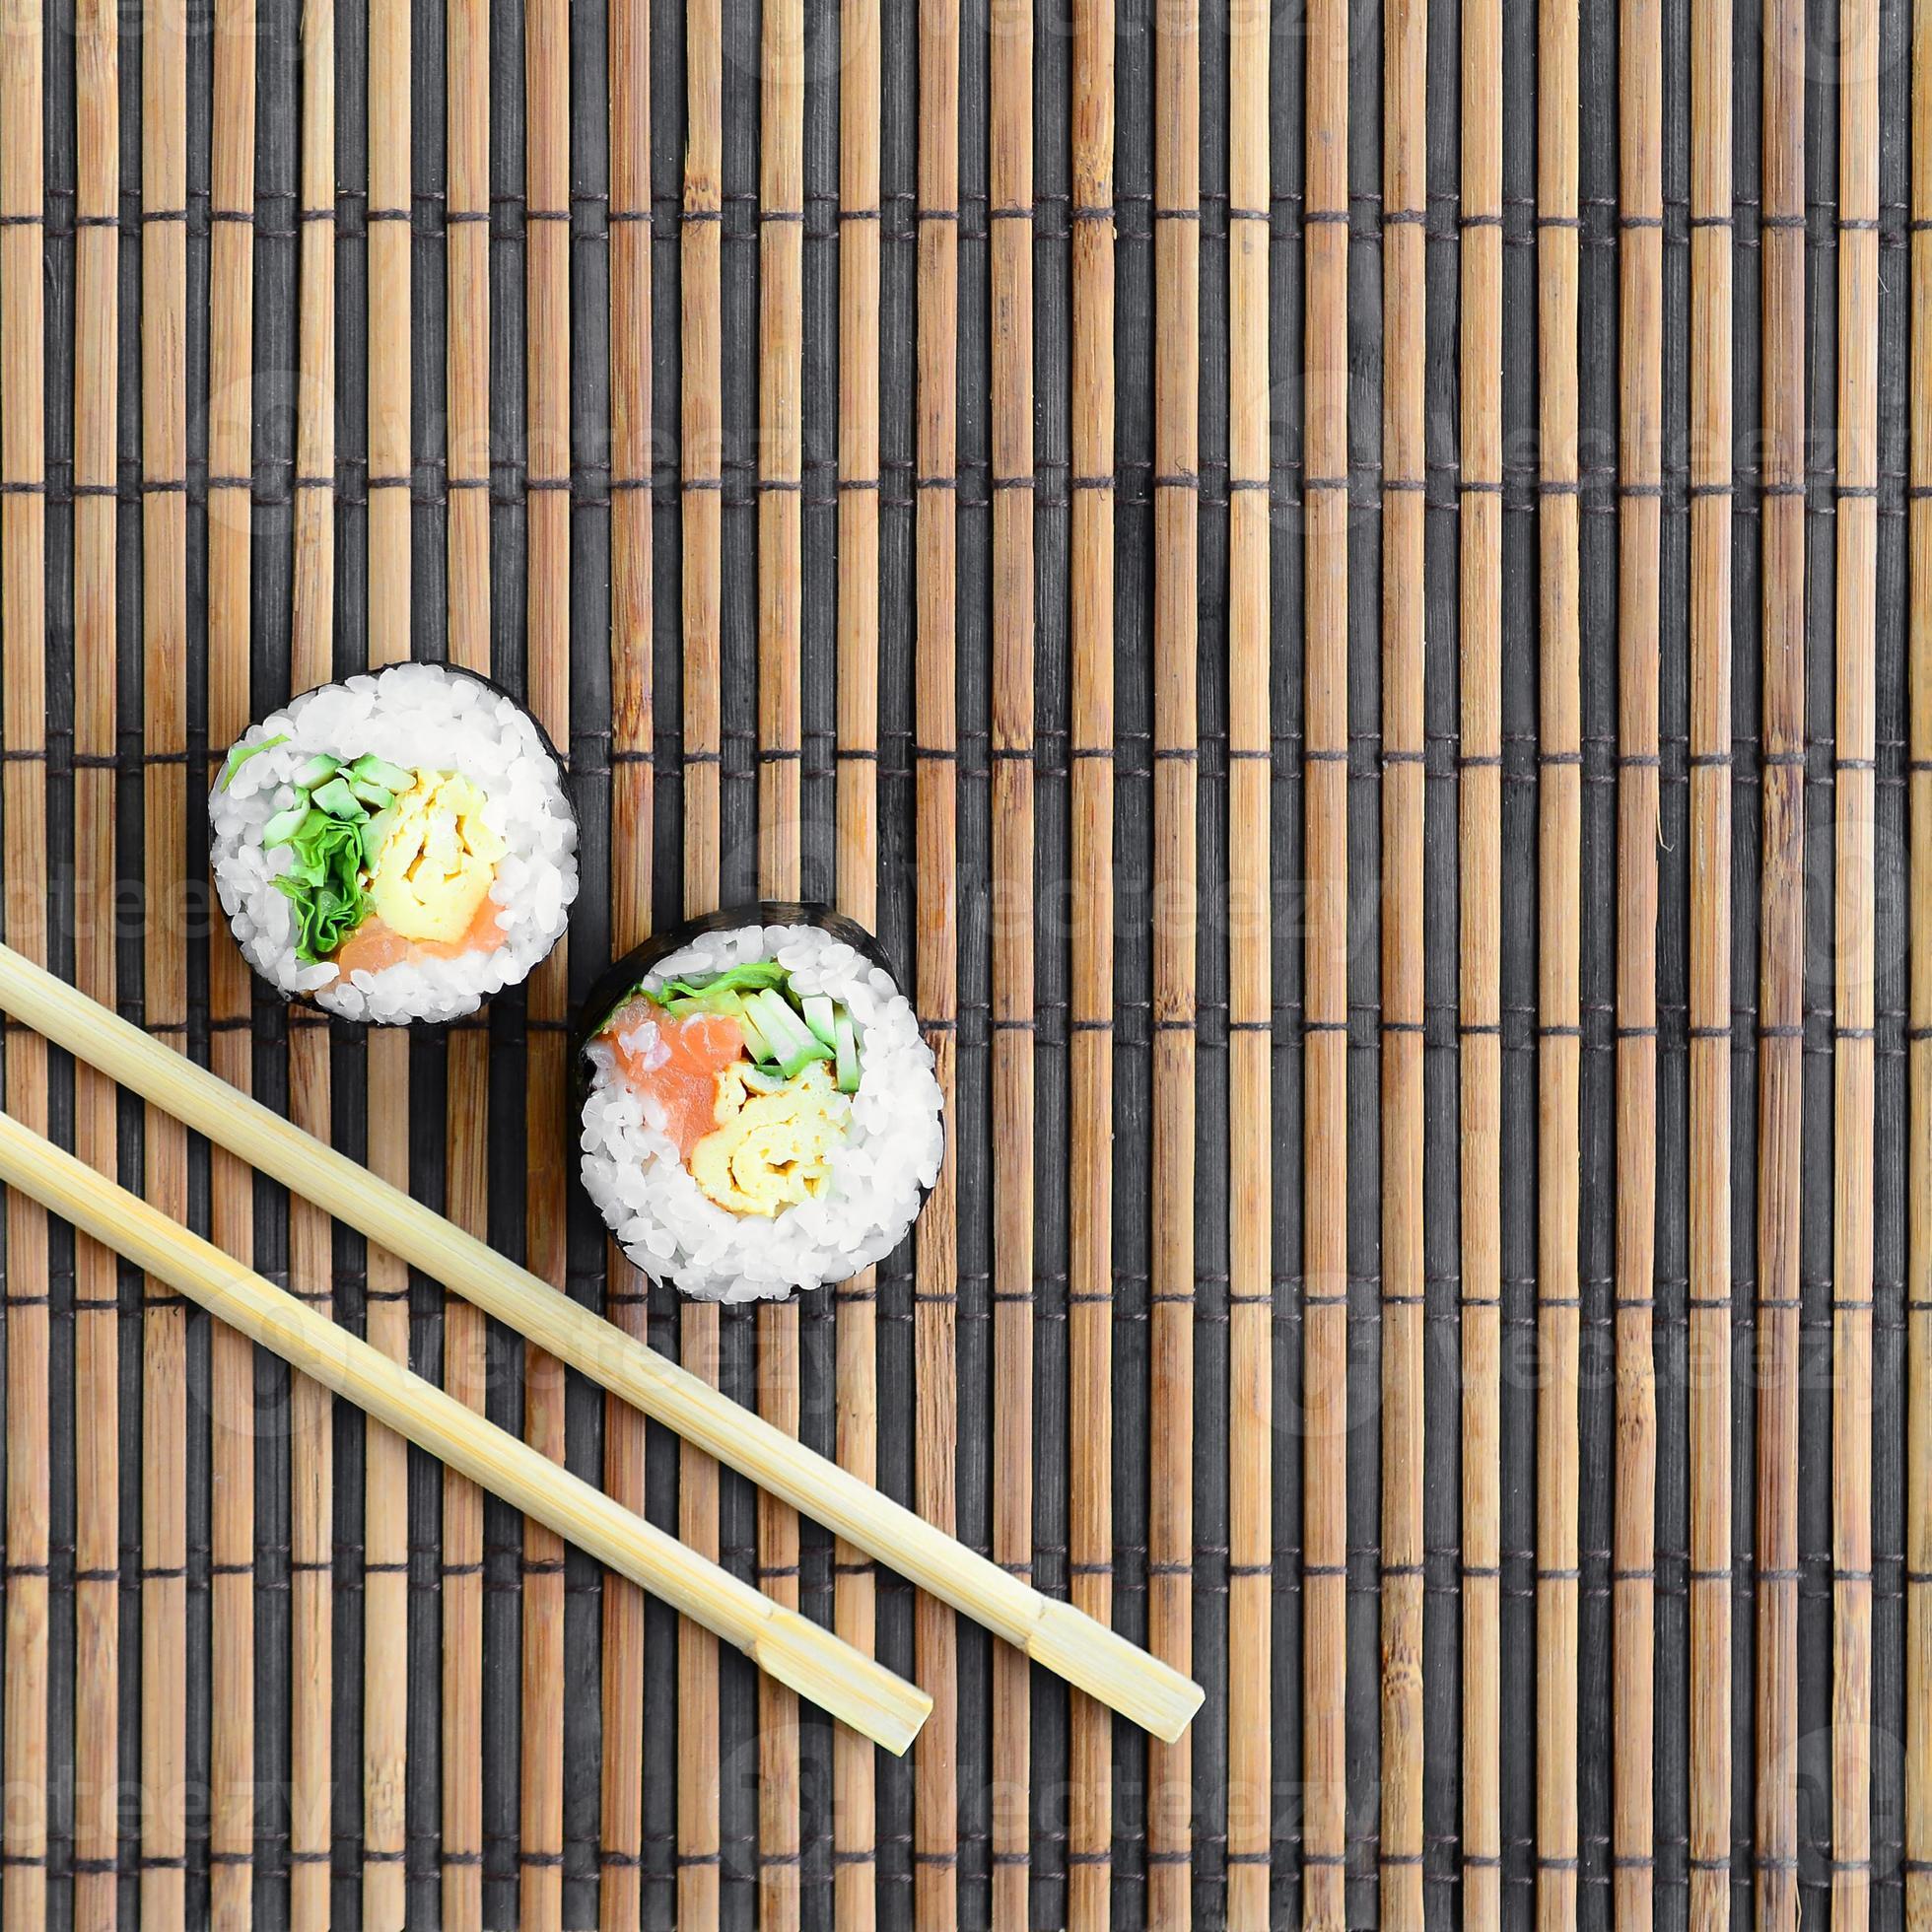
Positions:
(794, 1650)
(852, 1686)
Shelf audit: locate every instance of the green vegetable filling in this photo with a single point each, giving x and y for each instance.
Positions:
(784, 1030)
(341, 814)
(325, 885)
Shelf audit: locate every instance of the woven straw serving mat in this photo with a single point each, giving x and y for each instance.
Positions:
(1349, 590)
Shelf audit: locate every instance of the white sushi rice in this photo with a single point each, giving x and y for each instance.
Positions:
(406, 714)
(891, 1150)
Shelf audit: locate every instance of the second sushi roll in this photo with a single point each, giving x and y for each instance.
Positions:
(757, 1111)
(397, 848)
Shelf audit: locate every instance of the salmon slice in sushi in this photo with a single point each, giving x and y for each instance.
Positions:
(759, 1113)
(395, 848)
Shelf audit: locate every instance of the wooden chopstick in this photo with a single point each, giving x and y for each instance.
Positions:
(790, 1647)
(1075, 1646)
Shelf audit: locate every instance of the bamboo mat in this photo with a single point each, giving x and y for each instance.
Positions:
(1349, 589)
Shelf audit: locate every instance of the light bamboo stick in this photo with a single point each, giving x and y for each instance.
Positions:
(1855, 800)
(1009, 160)
(1325, 1018)
(386, 1290)
(1052, 1634)
(621, 1814)
(232, 1369)
(1559, 794)
(1251, 1295)
(1639, 521)
(854, 1865)
(1781, 1002)
(936, 1282)
(1405, 207)
(164, 686)
(547, 506)
(863, 1692)
(24, 796)
(1918, 1246)
(1708, 1335)
(1090, 1012)
(781, 598)
(310, 1239)
(97, 1284)
(1479, 788)
(466, 375)
(701, 505)
(1171, 1284)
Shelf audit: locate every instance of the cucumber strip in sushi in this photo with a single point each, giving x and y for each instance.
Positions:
(756, 1110)
(395, 848)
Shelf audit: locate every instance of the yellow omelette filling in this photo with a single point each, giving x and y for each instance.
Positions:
(435, 866)
(770, 1150)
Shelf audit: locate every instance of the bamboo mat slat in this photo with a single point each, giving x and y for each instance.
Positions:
(1479, 960)
(1709, 1349)
(1364, 569)
(1781, 992)
(780, 458)
(1855, 802)
(701, 458)
(621, 1788)
(547, 692)
(231, 999)
(1090, 1078)
(1325, 1018)
(855, 755)
(1918, 1281)
(385, 1285)
(935, 983)
(1639, 836)
(24, 826)
(96, 1421)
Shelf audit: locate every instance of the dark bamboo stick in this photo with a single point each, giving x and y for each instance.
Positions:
(1708, 1338)
(466, 375)
(781, 596)
(24, 801)
(1479, 790)
(385, 1295)
(1325, 1018)
(1855, 798)
(232, 1368)
(96, 1274)
(1781, 1002)
(1009, 157)
(1090, 1047)
(1559, 794)
(1639, 520)
(701, 301)
(310, 1260)
(621, 1814)
(1404, 195)
(1918, 1246)
(1177, 459)
(935, 1814)
(546, 1198)
(855, 1872)
(465, 1369)
(1251, 1295)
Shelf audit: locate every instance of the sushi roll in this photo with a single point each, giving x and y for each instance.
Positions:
(759, 1113)
(394, 848)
